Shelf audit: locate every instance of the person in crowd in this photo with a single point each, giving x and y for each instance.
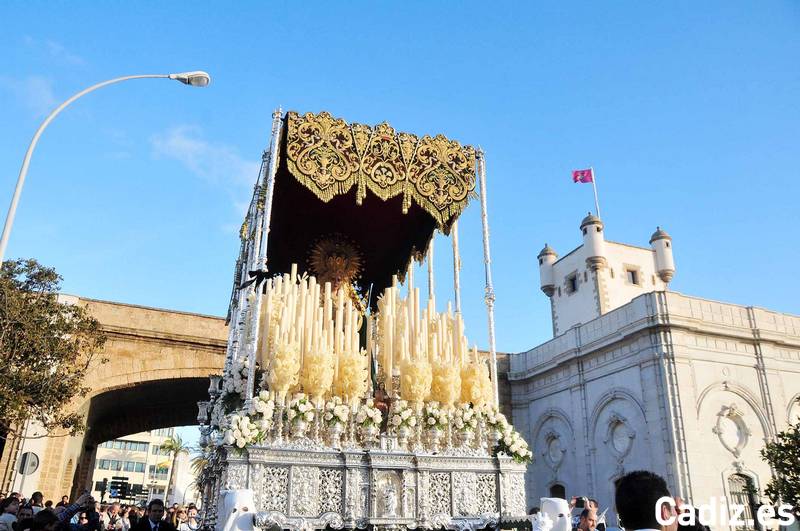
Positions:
(636, 497)
(64, 501)
(24, 518)
(112, 520)
(172, 516)
(16, 495)
(133, 517)
(192, 522)
(8, 513)
(155, 518)
(37, 502)
(588, 520)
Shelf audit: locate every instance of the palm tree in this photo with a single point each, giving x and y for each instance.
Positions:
(174, 445)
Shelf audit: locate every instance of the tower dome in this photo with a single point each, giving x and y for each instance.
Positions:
(547, 257)
(661, 243)
(594, 241)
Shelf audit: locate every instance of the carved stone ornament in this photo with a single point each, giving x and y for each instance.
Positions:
(329, 156)
(619, 436)
(731, 429)
(553, 449)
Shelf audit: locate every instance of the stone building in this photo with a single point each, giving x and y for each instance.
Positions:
(638, 377)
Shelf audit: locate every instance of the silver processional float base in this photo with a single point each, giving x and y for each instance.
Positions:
(303, 488)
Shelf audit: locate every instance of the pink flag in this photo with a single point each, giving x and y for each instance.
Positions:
(582, 176)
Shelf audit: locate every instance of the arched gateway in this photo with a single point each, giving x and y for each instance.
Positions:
(157, 370)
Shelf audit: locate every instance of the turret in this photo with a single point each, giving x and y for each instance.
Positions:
(547, 257)
(594, 241)
(661, 242)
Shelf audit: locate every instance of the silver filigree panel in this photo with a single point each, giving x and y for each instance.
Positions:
(514, 494)
(439, 493)
(236, 476)
(487, 493)
(465, 489)
(271, 488)
(305, 491)
(330, 490)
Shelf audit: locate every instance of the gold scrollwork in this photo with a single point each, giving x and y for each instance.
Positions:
(329, 156)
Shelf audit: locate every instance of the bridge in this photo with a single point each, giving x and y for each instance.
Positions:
(158, 366)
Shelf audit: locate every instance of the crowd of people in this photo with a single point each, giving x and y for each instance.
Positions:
(86, 514)
(636, 496)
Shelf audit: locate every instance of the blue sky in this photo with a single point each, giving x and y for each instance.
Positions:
(688, 111)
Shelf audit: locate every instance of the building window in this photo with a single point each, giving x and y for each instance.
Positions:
(557, 490)
(632, 276)
(572, 283)
(161, 472)
(742, 492)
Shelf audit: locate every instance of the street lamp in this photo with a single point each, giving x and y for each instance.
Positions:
(195, 79)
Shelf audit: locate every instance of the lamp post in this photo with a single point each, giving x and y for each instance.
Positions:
(195, 79)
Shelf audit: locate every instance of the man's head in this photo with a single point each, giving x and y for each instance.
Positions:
(191, 512)
(36, 498)
(45, 521)
(25, 511)
(155, 510)
(593, 504)
(636, 499)
(64, 499)
(588, 521)
(113, 509)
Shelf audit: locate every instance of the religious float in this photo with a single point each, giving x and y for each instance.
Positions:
(347, 401)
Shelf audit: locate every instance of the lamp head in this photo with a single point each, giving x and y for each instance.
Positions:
(197, 78)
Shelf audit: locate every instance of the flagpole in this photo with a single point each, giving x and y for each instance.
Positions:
(594, 187)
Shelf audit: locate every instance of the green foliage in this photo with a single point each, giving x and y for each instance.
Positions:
(175, 445)
(46, 347)
(783, 455)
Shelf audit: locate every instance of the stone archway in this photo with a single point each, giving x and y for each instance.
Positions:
(158, 369)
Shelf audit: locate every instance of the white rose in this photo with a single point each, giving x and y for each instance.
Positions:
(361, 417)
(309, 416)
(240, 443)
(459, 423)
(412, 421)
(396, 420)
(405, 414)
(431, 421)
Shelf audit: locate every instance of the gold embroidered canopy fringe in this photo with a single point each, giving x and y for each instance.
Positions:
(329, 156)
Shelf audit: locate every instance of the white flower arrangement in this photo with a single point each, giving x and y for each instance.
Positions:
(495, 419)
(234, 382)
(514, 445)
(368, 414)
(336, 412)
(465, 418)
(433, 417)
(402, 415)
(241, 431)
(262, 411)
(300, 409)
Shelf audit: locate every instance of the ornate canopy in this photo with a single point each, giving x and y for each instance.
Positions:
(329, 156)
(383, 192)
